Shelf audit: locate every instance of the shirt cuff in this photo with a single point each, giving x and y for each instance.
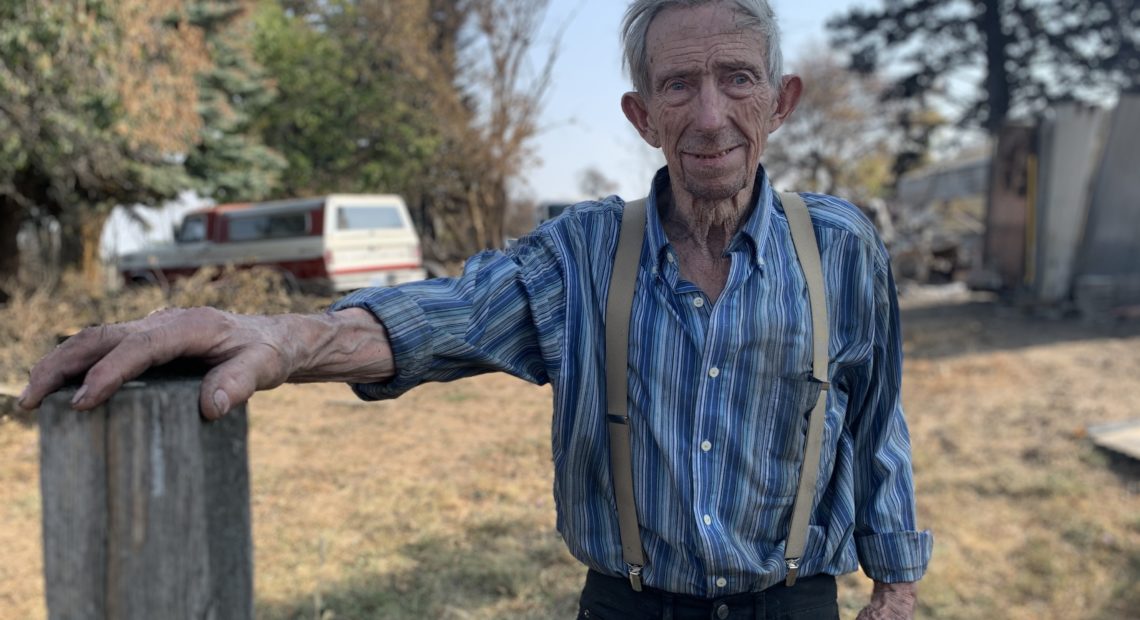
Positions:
(409, 336)
(895, 557)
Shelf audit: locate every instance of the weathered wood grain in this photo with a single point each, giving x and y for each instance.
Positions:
(146, 507)
(73, 487)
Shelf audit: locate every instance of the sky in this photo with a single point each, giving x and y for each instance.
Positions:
(583, 125)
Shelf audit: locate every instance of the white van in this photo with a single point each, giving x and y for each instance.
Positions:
(334, 243)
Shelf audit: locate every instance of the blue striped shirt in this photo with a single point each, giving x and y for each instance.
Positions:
(719, 391)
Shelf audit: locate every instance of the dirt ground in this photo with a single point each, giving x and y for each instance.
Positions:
(439, 505)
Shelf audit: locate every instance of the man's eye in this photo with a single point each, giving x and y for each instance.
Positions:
(675, 86)
(740, 79)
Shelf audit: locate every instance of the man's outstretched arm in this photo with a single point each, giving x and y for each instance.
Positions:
(245, 353)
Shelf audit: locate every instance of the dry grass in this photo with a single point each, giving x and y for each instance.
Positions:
(33, 320)
(1031, 520)
(438, 505)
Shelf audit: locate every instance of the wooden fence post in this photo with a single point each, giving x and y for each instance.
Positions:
(145, 507)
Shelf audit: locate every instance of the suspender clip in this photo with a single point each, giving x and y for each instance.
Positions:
(635, 577)
(793, 571)
(617, 418)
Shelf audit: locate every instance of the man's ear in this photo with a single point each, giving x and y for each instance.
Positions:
(792, 87)
(638, 114)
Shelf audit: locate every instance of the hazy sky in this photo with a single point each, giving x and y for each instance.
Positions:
(583, 123)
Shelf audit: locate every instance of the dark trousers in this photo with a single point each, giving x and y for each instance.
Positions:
(612, 598)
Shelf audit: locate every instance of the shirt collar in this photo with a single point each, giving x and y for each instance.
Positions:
(749, 238)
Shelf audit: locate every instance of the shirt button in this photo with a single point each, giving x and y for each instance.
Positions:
(669, 257)
(721, 582)
(714, 372)
(708, 520)
(706, 445)
(699, 302)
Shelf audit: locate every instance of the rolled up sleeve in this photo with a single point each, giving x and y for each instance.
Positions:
(895, 557)
(409, 335)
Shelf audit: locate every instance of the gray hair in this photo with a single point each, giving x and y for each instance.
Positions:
(757, 15)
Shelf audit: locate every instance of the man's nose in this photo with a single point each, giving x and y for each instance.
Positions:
(711, 108)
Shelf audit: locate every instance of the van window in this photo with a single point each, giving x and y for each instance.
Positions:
(367, 217)
(193, 230)
(276, 226)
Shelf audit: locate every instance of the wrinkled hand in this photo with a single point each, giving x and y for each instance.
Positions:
(891, 601)
(245, 353)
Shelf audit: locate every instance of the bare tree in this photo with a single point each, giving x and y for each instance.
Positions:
(593, 184)
(487, 125)
(841, 138)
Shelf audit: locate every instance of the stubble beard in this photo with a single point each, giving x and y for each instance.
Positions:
(710, 191)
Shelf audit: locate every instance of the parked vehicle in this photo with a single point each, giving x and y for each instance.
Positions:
(334, 243)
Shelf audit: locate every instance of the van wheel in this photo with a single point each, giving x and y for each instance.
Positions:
(146, 278)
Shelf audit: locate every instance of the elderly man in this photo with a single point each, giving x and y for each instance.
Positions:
(719, 377)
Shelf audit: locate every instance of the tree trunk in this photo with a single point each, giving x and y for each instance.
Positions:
(497, 208)
(475, 211)
(10, 218)
(71, 239)
(997, 79)
(81, 229)
(92, 228)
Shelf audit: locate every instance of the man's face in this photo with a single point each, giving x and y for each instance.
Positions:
(712, 103)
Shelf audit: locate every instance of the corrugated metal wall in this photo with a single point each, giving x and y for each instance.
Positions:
(1109, 263)
(1071, 142)
(1112, 240)
(1063, 210)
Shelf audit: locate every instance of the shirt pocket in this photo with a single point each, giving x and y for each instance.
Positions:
(781, 430)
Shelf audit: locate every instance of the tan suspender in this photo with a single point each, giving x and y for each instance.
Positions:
(618, 308)
(803, 238)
